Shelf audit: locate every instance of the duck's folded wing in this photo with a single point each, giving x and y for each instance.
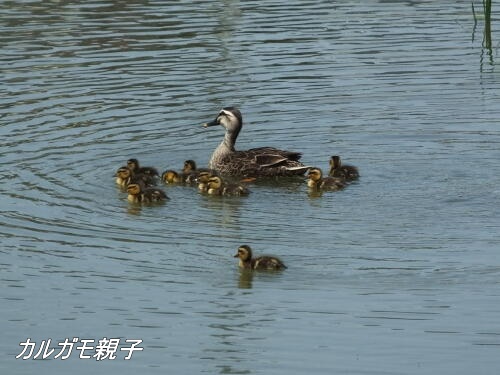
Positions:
(268, 160)
(263, 161)
(290, 155)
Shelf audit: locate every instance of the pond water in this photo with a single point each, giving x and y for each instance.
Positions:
(397, 274)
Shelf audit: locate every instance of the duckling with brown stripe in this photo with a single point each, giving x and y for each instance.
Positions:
(264, 262)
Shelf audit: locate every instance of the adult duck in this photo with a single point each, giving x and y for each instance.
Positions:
(255, 162)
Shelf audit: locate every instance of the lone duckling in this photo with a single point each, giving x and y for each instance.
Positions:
(255, 162)
(337, 169)
(217, 187)
(133, 165)
(317, 182)
(138, 193)
(264, 262)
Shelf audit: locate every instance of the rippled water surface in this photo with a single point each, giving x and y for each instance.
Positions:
(397, 274)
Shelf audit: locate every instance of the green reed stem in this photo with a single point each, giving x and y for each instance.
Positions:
(487, 24)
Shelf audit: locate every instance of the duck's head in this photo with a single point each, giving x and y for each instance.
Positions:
(133, 164)
(229, 117)
(244, 253)
(134, 189)
(335, 162)
(315, 174)
(189, 166)
(214, 182)
(123, 173)
(203, 177)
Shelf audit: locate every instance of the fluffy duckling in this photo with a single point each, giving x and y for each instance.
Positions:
(191, 172)
(202, 181)
(188, 175)
(218, 187)
(259, 263)
(337, 169)
(172, 177)
(124, 177)
(133, 165)
(190, 166)
(316, 181)
(138, 193)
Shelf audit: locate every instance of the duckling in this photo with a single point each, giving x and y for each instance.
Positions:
(260, 263)
(191, 172)
(337, 169)
(202, 181)
(138, 193)
(188, 175)
(133, 165)
(217, 187)
(316, 181)
(124, 177)
(190, 166)
(255, 162)
(172, 177)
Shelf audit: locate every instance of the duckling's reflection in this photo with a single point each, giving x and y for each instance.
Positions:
(226, 211)
(245, 278)
(228, 319)
(134, 209)
(314, 193)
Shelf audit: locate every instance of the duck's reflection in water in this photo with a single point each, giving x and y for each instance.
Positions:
(245, 279)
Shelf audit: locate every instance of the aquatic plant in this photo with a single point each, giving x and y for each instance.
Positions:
(486, 43)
